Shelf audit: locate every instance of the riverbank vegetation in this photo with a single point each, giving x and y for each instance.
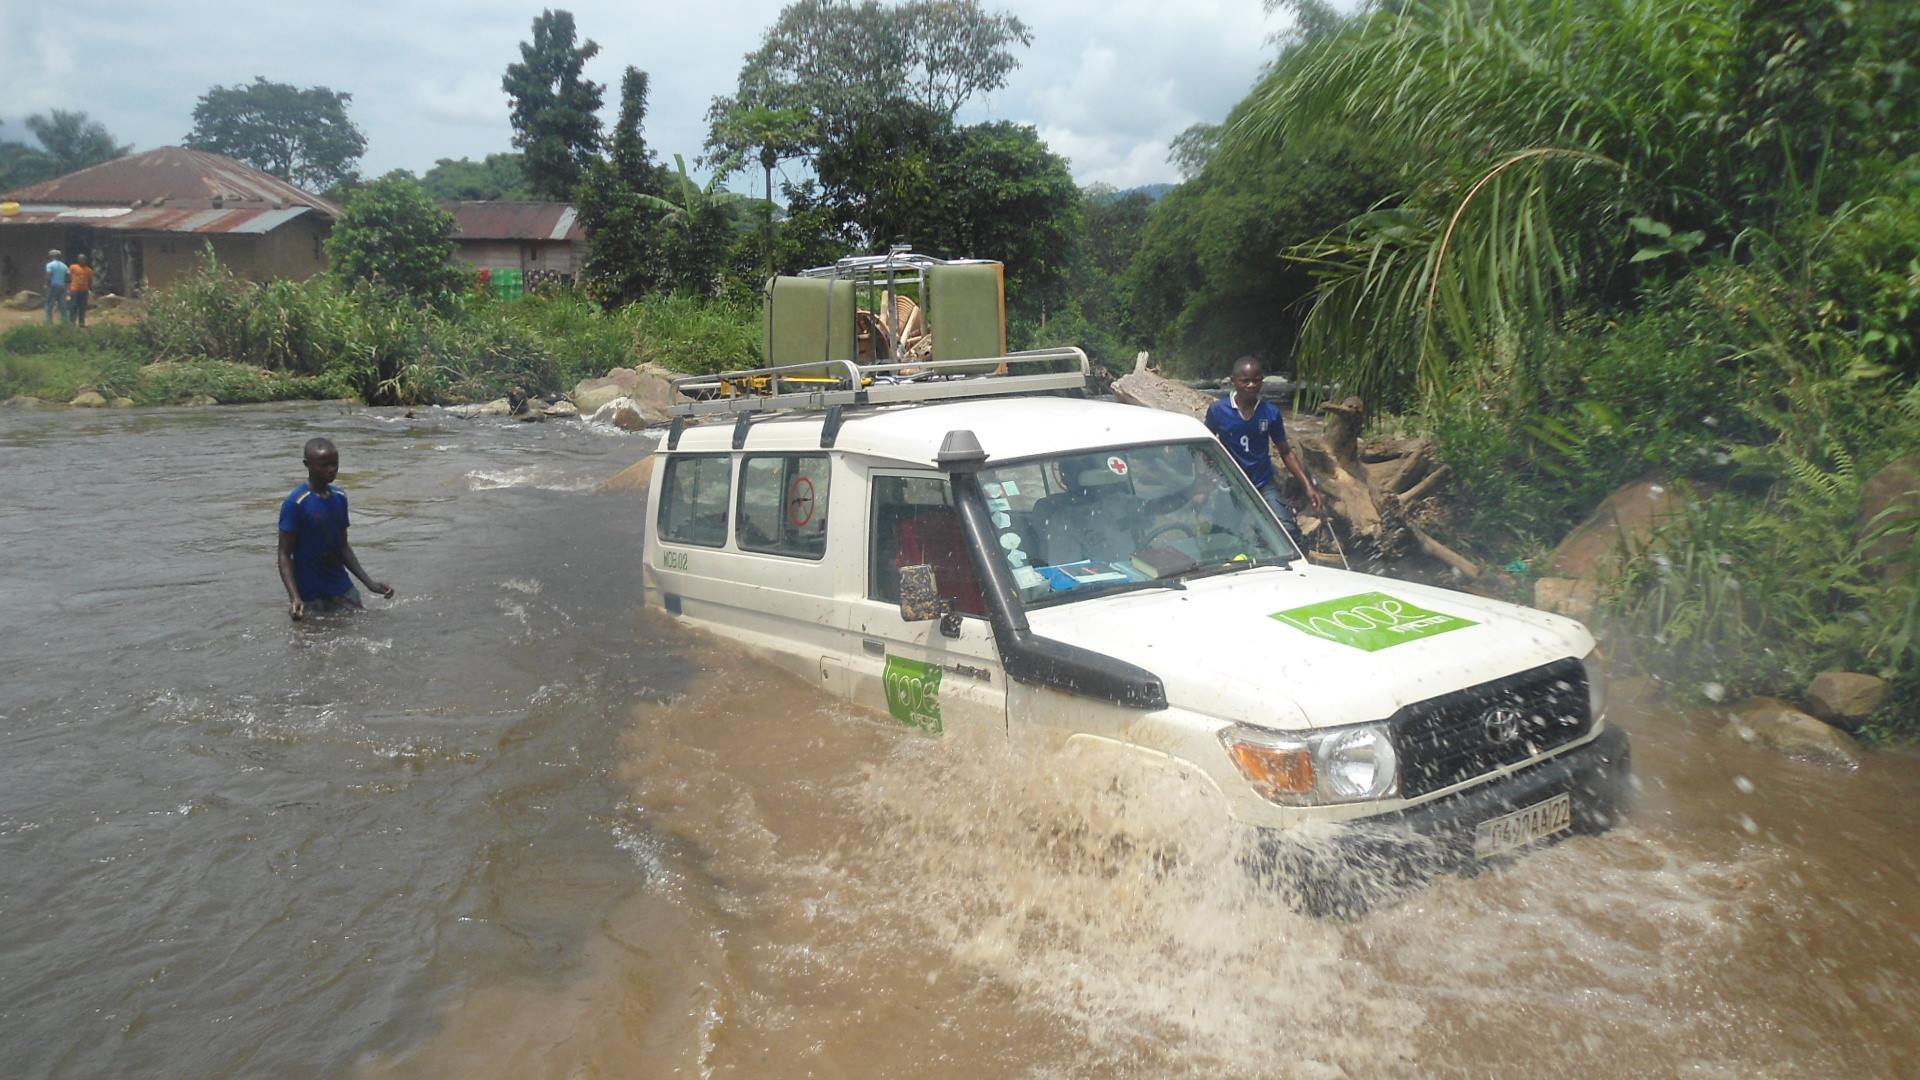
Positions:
(1668, 241)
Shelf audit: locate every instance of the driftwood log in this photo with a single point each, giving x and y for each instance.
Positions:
(1375, 489)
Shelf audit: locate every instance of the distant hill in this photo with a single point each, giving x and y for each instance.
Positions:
(1153, 192)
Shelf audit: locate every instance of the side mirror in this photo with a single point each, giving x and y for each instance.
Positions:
(920, 594)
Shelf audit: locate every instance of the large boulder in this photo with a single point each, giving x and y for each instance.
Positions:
(1845, 698)
(107, 301)
(1573, 597)
(562, 410)
(629, 414)
(26, 300)
(88, 399)
(591, 394)
(1891, 497)
(647, 389)
(632, 480)
(1624, 521)
(1776, 725)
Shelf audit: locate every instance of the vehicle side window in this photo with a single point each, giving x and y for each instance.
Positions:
(783, 505)
(914, 522)
(693, 505)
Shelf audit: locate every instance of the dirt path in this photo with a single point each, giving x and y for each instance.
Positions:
(128, 311)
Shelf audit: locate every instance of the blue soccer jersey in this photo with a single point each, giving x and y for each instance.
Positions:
(1247, 439)
(319, 527)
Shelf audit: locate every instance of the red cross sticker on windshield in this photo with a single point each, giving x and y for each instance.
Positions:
(1117, 465)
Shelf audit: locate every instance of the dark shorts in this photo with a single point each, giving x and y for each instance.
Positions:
(329, 605)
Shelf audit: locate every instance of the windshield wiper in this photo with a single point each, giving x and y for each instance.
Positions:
(1087, 592)
(1173, 583)
(1228, 566)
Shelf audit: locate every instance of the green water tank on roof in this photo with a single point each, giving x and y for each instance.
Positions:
(809, 320)
(967, 313)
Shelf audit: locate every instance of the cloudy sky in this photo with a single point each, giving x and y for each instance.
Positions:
(1107, 84)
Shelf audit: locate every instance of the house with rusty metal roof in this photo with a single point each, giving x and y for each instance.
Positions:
(145, 220)
(541, 239)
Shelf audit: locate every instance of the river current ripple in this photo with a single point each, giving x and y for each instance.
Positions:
(511, 824)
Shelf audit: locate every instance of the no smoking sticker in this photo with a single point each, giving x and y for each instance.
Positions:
(800, 501)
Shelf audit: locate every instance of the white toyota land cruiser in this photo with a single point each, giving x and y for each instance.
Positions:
(958, 546)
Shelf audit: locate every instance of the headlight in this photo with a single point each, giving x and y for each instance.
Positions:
(1358, 763)
(1596, 686)
(1310, 768)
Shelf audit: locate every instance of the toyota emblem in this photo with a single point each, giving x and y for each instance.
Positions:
(1501, 724)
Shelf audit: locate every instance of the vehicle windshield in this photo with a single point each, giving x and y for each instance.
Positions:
(1073, 526)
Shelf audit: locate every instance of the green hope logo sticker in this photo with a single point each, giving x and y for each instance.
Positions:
(1370, 621)
(913, 692)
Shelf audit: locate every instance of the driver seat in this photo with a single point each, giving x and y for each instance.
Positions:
(1092, 520)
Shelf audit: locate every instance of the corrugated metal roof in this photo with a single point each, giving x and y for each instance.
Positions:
(176, 176)
(157, 219)
(515, 221)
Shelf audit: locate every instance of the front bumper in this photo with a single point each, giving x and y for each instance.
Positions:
(1366, 862)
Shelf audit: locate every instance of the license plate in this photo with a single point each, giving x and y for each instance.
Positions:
(1510, 832)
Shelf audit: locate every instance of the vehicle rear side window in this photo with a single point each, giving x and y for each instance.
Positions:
(914, 522)
(783, 505)
(693, 505)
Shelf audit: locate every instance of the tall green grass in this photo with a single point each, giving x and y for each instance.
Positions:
(392, 351)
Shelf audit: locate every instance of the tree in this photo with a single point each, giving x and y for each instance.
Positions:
(302, 136)
(1193, 149)
(68, 142)
(392, 235)
(555, 111)
(1212, 278)
(23, 166)
(1540, 137)
(624, 261)
(828, 67)
(766, 135)
(497, 176)
(74, 142)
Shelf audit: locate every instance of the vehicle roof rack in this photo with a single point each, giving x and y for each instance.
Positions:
(900, 264)
(820, 385)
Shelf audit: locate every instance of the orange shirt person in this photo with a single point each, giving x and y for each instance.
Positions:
(79, 290)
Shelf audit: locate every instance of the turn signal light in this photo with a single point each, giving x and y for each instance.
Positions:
(1273, 770)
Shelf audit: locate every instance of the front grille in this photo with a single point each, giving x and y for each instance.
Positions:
(1454, 737)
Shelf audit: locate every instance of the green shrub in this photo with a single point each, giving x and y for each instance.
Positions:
(295, 326)
(175, 381)
(584, 340)
(393, 235)
(693, 335)
(54, 363)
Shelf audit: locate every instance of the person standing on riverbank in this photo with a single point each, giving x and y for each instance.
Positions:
(315, 556)
(79, 288)
(1245, 424)
(56, 286)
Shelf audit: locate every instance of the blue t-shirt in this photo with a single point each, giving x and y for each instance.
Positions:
(319, 527)
(1247, 439)
(57, 274)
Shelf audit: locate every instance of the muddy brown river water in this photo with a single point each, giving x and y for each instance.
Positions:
(510, 824)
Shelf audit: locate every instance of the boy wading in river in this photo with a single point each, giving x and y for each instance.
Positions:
(314, 554)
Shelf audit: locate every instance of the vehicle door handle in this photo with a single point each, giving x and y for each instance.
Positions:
(877, 648)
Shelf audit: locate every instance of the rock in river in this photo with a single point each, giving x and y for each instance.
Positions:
(1774, 724)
